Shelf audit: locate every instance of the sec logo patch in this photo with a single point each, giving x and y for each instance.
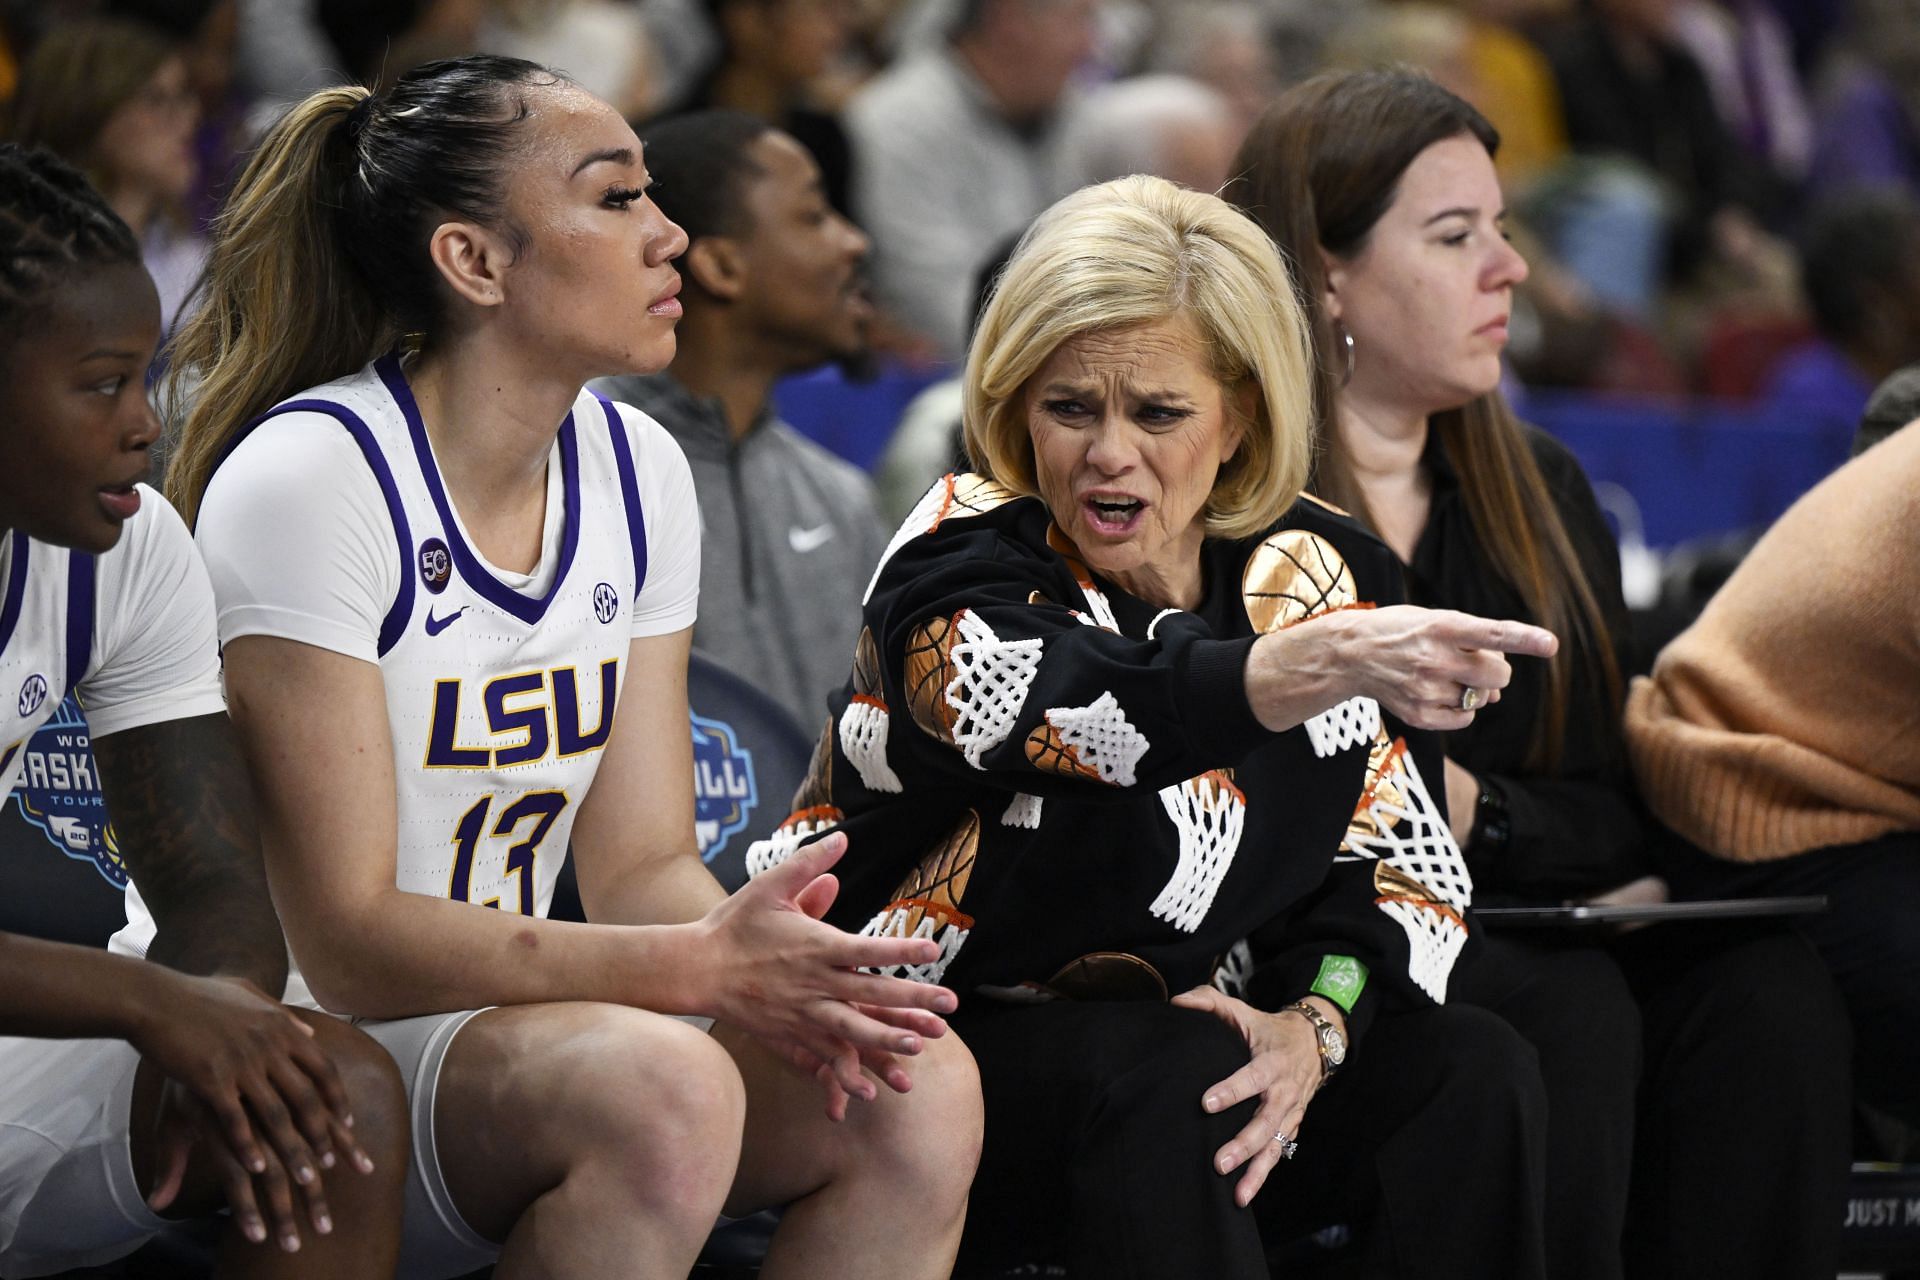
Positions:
(606, 602)
(33, 694)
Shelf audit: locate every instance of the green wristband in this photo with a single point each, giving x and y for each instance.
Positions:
(1341, 980)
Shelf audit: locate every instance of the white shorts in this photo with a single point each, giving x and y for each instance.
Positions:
(67, 1192)
(436, 1241)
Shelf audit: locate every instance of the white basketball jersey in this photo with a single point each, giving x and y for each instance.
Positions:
(499, 701)
(46, 637)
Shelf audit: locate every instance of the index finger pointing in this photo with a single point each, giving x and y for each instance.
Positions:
(1504, 636)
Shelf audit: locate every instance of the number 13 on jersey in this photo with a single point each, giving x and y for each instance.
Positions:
(541, 807)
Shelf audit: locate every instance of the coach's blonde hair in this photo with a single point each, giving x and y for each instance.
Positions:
(1135, 251)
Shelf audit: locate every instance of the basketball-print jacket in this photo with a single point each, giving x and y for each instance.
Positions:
(1066, 788)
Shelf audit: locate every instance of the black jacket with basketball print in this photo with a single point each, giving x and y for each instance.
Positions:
(1067, 789)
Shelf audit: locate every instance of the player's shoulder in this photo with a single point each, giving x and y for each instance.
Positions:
(650, 441)
(154, 532)
(315, 434)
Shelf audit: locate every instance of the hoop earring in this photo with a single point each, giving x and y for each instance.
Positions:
(1346, 340)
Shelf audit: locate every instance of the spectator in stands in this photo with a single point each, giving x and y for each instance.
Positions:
(164, 1077)
(774, 285)
(1777, 734)
(206, 32)
(604, 45)
(1516, 87)
(281, 53)
(1381, 186)
(774, 55)
(1867, 123)
(1111, 712)
(1224, 44)
(955, 148)
(1629, 89)
(381, 40)
(1745, 50)
(1860, 272)
(112, 97)
(929, 440)
(500, 216)
(1169, 126)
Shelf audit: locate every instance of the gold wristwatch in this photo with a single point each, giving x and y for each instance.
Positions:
(1332, 1041)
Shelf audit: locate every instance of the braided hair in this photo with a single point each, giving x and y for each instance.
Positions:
(53, 226)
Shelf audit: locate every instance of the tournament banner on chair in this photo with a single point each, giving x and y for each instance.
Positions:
(59, 794)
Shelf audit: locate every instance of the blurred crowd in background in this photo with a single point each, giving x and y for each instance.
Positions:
(1717, 197)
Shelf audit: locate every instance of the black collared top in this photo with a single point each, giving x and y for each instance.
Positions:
(1582, 829)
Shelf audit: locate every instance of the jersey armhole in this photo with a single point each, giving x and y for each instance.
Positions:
(394, 624)
(629, 489)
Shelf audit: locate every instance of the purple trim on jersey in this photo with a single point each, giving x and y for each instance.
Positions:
(80, 573)
(629, 491)
(395, 623)
(491, 589)
(16, 588)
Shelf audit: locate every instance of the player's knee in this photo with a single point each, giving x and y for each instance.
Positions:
(666, 1108)
(376, 1095)
(929, 1139)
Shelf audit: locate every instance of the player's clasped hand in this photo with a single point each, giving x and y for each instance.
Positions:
(1283, 1073)
(792, 980)
(246, 1082)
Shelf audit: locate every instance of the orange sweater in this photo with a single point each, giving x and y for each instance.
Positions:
(1788, 717)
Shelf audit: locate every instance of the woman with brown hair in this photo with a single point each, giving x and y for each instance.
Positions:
(1381, 187)
(112, 98)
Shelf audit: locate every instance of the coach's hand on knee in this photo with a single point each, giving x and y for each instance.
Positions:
(782, 974)
(1281, 1076)
(248, 1086)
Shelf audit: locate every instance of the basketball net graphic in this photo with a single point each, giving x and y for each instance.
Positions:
(1235, 970)
(1353, 723)
(1422, 880)
(1208, 812)
(1101, 738)
(800, 827)
(991, 677)
(863, 736)
(927, 903)
(1022, 811)
(919, 919)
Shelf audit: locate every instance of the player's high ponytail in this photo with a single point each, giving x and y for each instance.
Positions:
(320, 257)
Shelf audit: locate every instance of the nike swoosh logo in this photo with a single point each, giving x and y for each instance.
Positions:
(805, 540)
(436, 625)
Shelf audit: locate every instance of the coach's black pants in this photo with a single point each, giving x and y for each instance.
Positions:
(1735, 1116)
(1869, 938)
(1429, 1144)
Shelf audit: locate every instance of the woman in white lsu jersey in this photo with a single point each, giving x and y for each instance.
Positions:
(164, 1078)
(437, 575)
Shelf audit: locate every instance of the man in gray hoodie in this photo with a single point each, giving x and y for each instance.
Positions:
(773, 286)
